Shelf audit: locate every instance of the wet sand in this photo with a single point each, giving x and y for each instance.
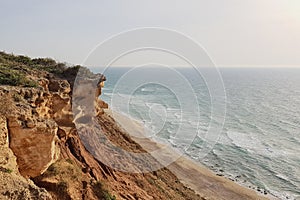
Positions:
(202, 180)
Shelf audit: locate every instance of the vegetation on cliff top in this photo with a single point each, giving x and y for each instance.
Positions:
(15, 70)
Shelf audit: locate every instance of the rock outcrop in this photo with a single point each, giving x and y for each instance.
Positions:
(43, 156)
(14, 186)
(32, 129)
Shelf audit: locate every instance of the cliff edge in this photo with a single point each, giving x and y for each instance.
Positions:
(42, 155)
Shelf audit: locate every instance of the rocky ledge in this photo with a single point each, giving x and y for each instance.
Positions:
(41, 153)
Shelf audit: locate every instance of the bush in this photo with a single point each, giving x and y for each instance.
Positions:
(5, 170)
(53, 170)
(46, 62)
(23, 60)
(102, 192)
(63, 186)
(14, 70)
(15, 76)
(8, 171)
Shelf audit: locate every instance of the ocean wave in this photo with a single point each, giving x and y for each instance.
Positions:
(177, 115)
(148, 89)
(173, 109)
(107, 94)
(260, 136)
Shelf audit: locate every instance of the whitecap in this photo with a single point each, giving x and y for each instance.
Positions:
(148, 90)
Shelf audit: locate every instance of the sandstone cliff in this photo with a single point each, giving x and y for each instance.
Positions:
(41, 153)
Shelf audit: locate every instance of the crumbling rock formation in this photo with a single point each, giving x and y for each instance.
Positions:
(14, 186)
(39, 140)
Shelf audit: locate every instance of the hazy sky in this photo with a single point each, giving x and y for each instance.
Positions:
(234, 32)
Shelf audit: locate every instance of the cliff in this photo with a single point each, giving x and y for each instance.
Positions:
(41, 153)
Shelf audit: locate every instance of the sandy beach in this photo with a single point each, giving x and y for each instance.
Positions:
(192, 174)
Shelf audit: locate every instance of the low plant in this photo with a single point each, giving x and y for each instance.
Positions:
(14, 77)
(6, 170)
(62, 187)
(103, 193)
(53, 170)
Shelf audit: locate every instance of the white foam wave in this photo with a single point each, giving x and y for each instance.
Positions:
(148, 90)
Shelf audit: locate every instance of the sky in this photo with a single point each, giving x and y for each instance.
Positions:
(256, 33)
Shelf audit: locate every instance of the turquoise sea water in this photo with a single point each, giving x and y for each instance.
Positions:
(260, 142)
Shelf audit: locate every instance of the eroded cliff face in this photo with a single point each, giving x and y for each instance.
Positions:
(41, 143)
(13, 185)
(40, 148)
(33, 128)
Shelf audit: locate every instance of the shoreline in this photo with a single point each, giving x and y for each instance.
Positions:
(194, 175)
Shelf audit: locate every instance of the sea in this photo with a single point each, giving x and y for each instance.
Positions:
(256, 140)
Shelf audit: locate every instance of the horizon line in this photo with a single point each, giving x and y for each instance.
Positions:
(217, 66)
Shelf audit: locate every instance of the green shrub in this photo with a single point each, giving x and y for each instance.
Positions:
(14, 70)
(104, 193)
(5, 170)
(15, 77)
(9, 171)
(30, 83)
(108, 196)
(52, 170)
(23, 60)
(46, 62)
(69, 161)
